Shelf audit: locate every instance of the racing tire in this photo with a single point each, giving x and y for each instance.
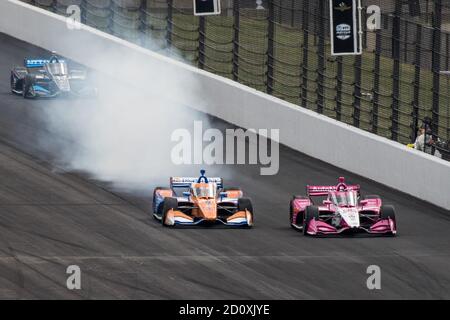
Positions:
(246, 204)
(231, 189)
(311, 213)
(371, 196)
(159, 209)
(168, 204)
(12, 83)
(291, 213)
(388, 212)
(299, 217)
(27, 83)
(299, 197)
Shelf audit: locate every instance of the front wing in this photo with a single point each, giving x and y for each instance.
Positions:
(382, 226)
(178, 218)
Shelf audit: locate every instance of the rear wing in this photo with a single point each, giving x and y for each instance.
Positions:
(37, 63)
(185, 182)
(315, 191)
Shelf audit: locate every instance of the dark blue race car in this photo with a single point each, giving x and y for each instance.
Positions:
(49, 78)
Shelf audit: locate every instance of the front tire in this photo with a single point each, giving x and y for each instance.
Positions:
(27, 84)
(168, 204)
(298, 218)
(388, 212)
(246, 204)
(12, 84)
(311, 213)
(157, 209)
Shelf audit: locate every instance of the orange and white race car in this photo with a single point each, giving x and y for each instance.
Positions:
(204, 201)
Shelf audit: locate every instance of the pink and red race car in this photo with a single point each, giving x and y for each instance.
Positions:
(342, 211)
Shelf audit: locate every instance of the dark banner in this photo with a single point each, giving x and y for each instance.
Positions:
(222, 310)
(344, 33)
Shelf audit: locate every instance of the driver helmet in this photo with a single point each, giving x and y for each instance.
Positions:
(54, 58)
(341, 186)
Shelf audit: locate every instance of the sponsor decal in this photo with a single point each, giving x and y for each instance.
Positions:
(343, 31)
(342, 7)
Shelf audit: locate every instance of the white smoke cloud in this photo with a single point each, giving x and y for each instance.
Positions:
(123, 136)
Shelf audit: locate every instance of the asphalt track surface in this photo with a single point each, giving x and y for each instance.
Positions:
(50, 219)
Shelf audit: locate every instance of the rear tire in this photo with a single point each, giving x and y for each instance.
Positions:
(299, 197)
(291, 213)
(12, 83)
(231, 189)
(311, 213)
(371, 196)
(168, 204)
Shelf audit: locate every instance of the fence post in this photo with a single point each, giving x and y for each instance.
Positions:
(142, 28)
(357, 91)
(436, 63)
(321, 61)
(305, 27)
(447, 98)
(292, 13)
(169, 23)
(447, 48)
(376, 82)
(396, 69)
(270, 51)
(201, 42)
(236, 27)
(83, 13)
(339, 78)
(417, 64)
(405, 42)
(364, 37)
(111, 17)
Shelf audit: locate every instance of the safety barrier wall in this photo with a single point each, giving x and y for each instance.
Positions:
(344, 146)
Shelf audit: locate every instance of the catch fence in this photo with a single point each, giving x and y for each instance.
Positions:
(282, 47)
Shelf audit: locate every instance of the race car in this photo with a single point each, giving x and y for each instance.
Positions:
(204, 202)
(49, 78)
(343, 210)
